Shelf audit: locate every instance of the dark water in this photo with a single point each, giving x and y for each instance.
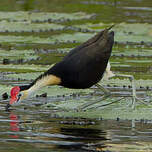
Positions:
(31, 128)
(38, 130)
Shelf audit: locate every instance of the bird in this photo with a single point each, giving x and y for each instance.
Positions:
(81, 68)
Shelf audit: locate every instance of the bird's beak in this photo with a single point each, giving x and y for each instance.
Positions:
(13, 100)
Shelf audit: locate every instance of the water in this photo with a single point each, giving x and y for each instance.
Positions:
(36, 130)
(32, 40)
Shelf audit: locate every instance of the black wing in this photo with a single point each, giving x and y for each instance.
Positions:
(87, 43)
(84, 67)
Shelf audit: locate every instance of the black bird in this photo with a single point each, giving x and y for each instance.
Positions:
(81, 68)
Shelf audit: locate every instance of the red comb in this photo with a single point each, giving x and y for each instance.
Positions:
(15, 90)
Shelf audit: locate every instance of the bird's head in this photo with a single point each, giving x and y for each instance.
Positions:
(17, 95)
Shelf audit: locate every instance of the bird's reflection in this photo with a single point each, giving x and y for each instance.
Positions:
(14, 124)
(91, 138)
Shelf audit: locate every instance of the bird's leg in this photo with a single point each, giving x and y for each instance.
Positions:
(105, 96)
(81, 107)
(103, 105)
(134, 97)
(106, 91)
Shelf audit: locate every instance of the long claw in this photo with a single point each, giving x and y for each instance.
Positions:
(131, 78)
(84, 106)
(107, 103)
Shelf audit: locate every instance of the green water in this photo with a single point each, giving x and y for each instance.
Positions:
(36, 34)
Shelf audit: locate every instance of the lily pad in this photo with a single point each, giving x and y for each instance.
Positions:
(126, 82)
(3, 89)
(42, 16)
(122, 110)
(131, 52)
(23, 68)
(78, 37)
(18, 54)
(124, 31)
(6, 26)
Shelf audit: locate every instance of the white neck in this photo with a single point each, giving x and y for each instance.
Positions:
(44, 81)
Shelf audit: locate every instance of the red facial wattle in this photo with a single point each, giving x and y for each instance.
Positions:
(14, 92)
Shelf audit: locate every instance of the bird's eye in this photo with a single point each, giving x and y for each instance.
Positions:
(19, 95)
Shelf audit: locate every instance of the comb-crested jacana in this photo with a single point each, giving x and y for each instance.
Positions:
(81, 68)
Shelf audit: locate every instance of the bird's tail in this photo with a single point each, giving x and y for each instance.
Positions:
(105, 32)
(109, 28)
(106, 36)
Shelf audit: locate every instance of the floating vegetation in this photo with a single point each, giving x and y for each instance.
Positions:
(132, 52)
(134, 29)
(24, 76)
(11, 55)
(24, 39)
(23, 68)
(4, 89)
(22, 16)
(53, 51)
(126, 82)
(121, 35)
(133, 32)
(121, 110)
(75, 37)
(124, 32)
(56, 39)
(6, 26)
(30, 39)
